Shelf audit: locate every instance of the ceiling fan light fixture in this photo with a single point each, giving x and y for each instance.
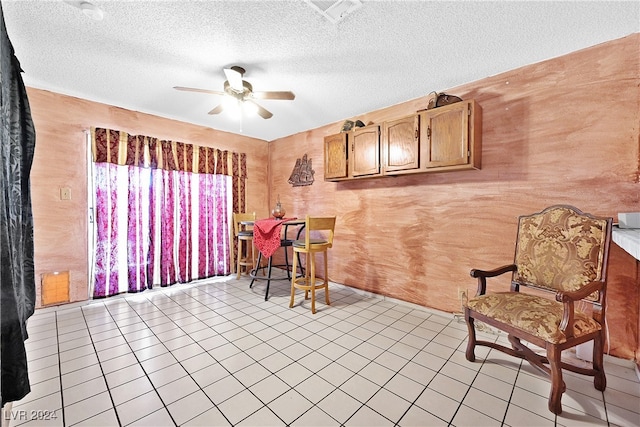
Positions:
(238, 96)
(234, 109)
(229, 101)
(250, 108)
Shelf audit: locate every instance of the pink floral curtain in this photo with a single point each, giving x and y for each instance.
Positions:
(162, 211)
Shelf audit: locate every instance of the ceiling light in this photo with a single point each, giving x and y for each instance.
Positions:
(91, 10)
(230, 101)
(232, 105)
(250, 107)
(334, 10)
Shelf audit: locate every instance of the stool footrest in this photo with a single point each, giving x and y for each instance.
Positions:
(301, 283)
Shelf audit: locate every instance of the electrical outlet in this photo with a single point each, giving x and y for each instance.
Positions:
(65, 193)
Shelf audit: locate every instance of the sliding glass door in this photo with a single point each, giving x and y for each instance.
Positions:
(154, 226)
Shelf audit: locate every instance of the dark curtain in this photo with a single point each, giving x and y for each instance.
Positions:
(17, 299)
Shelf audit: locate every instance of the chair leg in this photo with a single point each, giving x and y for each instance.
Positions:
(302, 270)
(239, 267)
(312, 281)
(306, 274)
(326, 279)
(308, 279)
(293, 280)
(471, 343)
(557, 384)
(599, 378)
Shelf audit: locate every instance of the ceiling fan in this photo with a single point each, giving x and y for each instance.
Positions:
(241, 92)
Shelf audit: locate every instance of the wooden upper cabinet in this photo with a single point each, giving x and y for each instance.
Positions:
(335, 157)
(365, 151)
(442, 139)
(401, 145)
(451, 136)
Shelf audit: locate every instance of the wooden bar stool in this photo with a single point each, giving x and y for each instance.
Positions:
(310, 247)
(244, 235)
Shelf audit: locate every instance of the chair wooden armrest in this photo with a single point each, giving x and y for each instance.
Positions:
(568, 299)
(582, 293)
(495, 272)
(482, 275)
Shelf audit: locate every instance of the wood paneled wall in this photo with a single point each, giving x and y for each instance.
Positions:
(60, 226)
(560, 131)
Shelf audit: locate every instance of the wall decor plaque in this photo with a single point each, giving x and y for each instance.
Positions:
(302, 173)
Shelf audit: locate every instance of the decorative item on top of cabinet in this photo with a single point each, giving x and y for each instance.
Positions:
(365, 151)
(441, 99)
(401, 145)
(450, 137)
(350, 124)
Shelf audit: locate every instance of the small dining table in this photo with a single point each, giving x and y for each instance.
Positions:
(268, 237)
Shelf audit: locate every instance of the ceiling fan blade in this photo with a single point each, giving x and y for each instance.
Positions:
(217, 110)
(262, 112)
(192, 89)
(274, 95)
(234, 77)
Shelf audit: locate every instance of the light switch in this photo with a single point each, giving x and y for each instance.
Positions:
(65, 193)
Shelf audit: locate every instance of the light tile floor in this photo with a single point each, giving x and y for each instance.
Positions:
(215, 353)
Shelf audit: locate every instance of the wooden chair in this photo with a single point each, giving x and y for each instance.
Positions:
(246, 256)
(560, 251)
(310, 247)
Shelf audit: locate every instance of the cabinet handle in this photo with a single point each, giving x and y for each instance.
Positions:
(429, 132)
(416, 134)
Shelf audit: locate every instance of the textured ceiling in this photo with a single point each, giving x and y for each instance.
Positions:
(383, 53)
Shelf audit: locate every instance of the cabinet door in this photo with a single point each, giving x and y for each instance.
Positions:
(335, 156)
(446, 133)
(401, 144)
(365, 151)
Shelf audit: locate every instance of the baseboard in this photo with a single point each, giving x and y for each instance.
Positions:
(395, 301)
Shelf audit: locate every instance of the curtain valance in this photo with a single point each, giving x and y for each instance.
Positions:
(113, 146)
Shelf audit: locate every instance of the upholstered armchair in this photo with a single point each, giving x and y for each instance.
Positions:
(560, 251)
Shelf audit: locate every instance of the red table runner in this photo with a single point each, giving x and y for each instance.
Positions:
(266, 235)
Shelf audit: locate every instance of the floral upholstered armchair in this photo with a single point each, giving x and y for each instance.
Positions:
(561, 251)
